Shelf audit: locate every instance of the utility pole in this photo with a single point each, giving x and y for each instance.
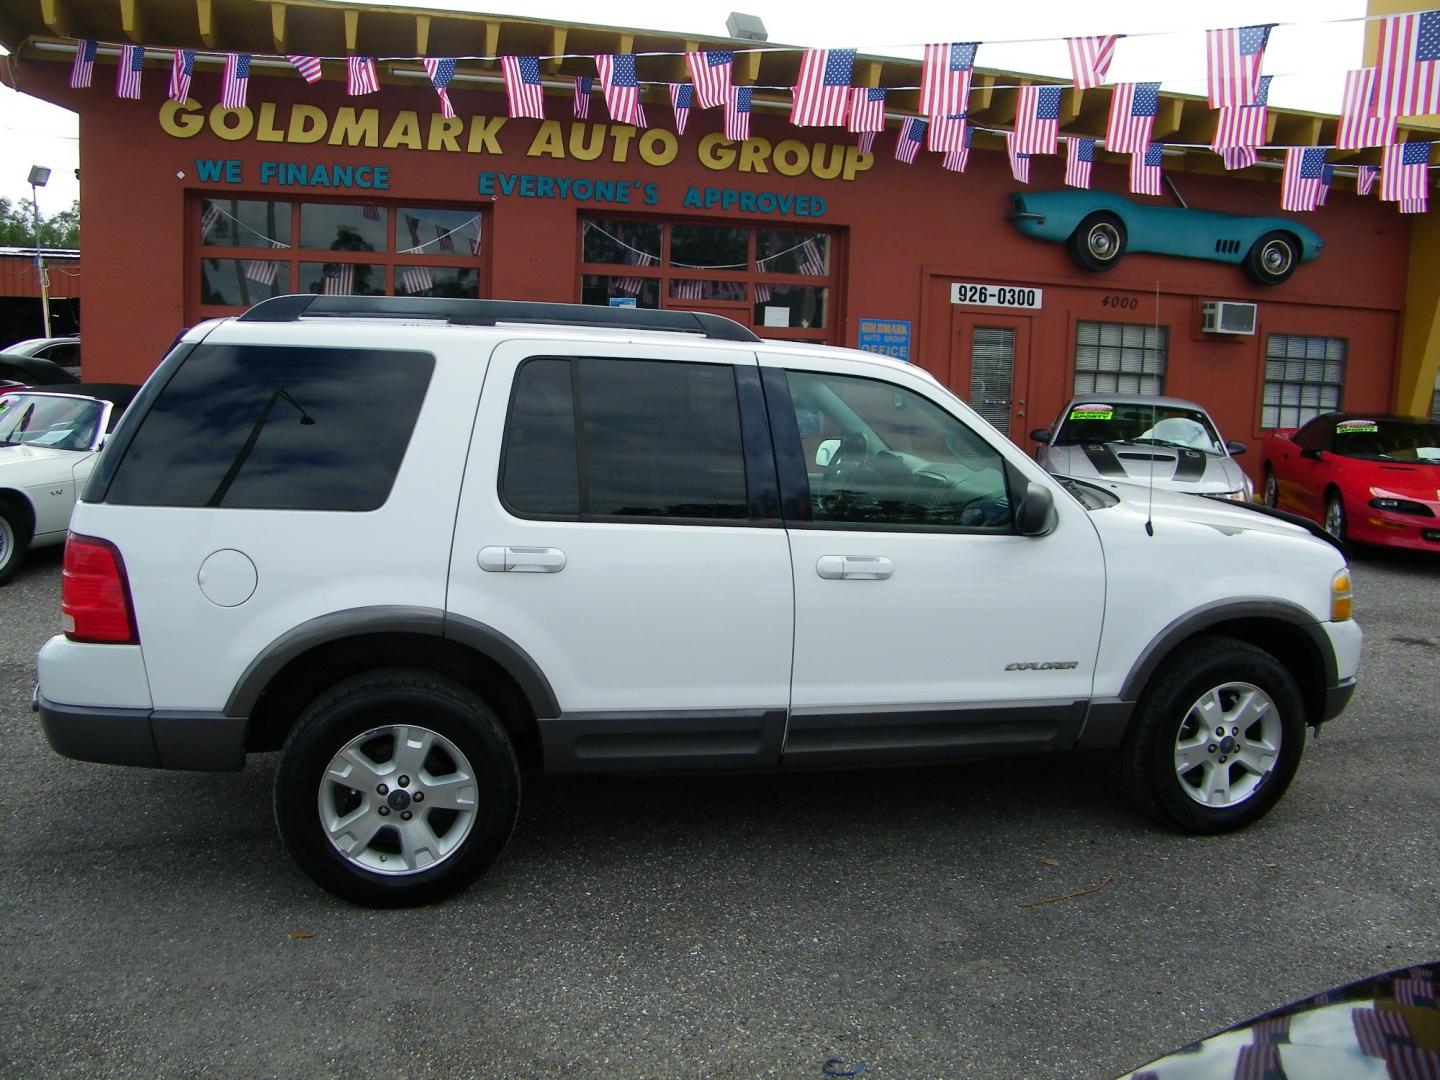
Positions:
(39, 177)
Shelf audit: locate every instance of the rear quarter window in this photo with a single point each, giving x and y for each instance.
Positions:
(275, 428)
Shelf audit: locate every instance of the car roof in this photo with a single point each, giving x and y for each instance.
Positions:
(1353, 415)
(1138, 399)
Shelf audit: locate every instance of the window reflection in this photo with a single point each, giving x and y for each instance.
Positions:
(242, 282)
(339, 227)
(801, 306)
(630, 243)
(437, 232)
(791, 251)
(709, 247)
(244, 223)
(606, 289)
(343, 279)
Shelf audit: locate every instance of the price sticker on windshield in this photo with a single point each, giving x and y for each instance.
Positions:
(1011, 296)
(1092, 412)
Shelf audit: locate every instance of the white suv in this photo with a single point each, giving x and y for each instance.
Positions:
(420, 545)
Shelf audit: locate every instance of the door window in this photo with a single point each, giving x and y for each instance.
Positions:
(992, 374)
(880, 455)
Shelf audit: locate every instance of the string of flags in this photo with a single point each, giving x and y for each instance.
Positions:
(1404, 82)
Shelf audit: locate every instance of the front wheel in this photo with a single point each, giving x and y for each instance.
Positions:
(396, 788)
(14, 541)
(1272, 258)
(1271, 492)
(1335, 516)
(1217, 737)
(1098, 242)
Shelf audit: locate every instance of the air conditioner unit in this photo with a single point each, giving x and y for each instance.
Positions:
(1227, 317)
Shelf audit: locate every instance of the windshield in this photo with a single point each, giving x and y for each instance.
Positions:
(65, 423)
(1389, 440)
(1137, 422)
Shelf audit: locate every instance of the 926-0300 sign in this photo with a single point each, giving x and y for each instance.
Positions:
(1012, 296)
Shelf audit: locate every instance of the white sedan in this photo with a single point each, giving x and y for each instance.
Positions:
(48, 446)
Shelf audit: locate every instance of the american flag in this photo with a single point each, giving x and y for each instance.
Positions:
(688, 290)
(737, 112)
(823, 92)
(209, 219)
(1239, 157)
(1408, 64)
(235, 79)
(635, 258)
(945, 77)
(444, 239)
(1304, 168)
(413, 224)
(441, 71)
(866, 142)
(812, 257)
(1327, 177)
(84, 66)
(946, 133)
(361, 77)
(912, 134)
(339, 279)
(1365, 178)
(1090, 59)
(763, 293)
(261, 270)
(1019, 163)
(1404, 171)
(307, 66)
(416, 279)
(1234, 59)
(127, 74)
(639, 121)
(682, 100)
(867, 109)
(1037, 119)
(1359, 126)
(710, 72)
(371, 212)
(1145, 171)
(956, 160)
(621, 86)
(523, 88)
(1133, 107)
(583, 85)
(182, 66)
(475, 240)
(1244, 125)
(1079, 160)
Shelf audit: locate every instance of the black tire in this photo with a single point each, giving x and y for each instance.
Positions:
(1168, 721)
(1334, 522)
(372, 707)
(14, 540)
(1098, 242)
(1270, 491)
(1272, 258)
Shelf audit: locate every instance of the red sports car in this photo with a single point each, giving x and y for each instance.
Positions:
(1367, 477)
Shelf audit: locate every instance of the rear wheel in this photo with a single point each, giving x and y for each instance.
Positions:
(1098, 242)
(396, 788)
(1273, 258)
(1217, 737)
(1271, 492)
(14, 540)
(1335, 515)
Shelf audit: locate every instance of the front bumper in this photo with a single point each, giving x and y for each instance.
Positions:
(144, 737)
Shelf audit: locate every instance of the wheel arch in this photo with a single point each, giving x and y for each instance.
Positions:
(296, 668)
(17, 498)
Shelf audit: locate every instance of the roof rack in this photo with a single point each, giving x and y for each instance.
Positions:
(462, 312)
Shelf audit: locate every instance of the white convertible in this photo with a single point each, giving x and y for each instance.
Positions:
(48, 446)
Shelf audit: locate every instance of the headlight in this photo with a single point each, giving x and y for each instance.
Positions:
(1342, 596)
(1234, 496)
(1401, 506)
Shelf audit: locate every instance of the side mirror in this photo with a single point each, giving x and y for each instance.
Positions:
(825, 452)
(1040, 434)
(1235, 448)
(1036, 515)
(1313, 455)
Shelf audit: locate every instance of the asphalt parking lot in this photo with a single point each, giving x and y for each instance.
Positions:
(891, 923)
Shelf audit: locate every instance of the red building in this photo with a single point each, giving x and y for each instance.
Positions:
(193, 211)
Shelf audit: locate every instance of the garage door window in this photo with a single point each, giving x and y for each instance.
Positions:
(1304, 377)
(1120, 358)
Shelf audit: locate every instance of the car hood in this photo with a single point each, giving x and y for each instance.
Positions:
(1420, 482)
(1221, 515)
(1386, 1025)
(1171, 468)
(15, 458)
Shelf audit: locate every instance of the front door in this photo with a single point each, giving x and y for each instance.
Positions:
(990, 366)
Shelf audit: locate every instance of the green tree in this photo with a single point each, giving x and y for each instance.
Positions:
(17, 226)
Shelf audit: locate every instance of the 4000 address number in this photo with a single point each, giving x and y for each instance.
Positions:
(995, 295)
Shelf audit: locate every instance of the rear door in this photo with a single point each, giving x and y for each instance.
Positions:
(619, 523)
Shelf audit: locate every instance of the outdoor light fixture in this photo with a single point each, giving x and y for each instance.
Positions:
(746, 27)
(39, 177)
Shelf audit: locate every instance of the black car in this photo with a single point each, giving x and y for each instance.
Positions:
(33, 370)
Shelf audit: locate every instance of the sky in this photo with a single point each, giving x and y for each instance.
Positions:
(1308, 59)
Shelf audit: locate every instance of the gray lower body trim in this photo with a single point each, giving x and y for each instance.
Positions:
(156, 740)
(1336, 698)
(606, 742)
(1105, 725)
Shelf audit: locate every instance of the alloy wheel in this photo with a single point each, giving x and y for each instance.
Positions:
(1227, 745)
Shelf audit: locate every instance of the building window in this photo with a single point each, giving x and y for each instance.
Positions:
(252, 249)
(1120, 358)
(1304, 376)
(780, 280)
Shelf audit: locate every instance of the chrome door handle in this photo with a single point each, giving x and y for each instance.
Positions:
(521, 560)
(854, 567)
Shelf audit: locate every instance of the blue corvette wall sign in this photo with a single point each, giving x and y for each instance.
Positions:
(1099, 228)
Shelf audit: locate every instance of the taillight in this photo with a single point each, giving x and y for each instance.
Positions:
(95, 593)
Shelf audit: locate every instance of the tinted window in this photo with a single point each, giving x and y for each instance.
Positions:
(878, 454)
(540, 472)
(1316, 434)
(656, 439)
(261, 427)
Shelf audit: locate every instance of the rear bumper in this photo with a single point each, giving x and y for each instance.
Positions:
(144, 737)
